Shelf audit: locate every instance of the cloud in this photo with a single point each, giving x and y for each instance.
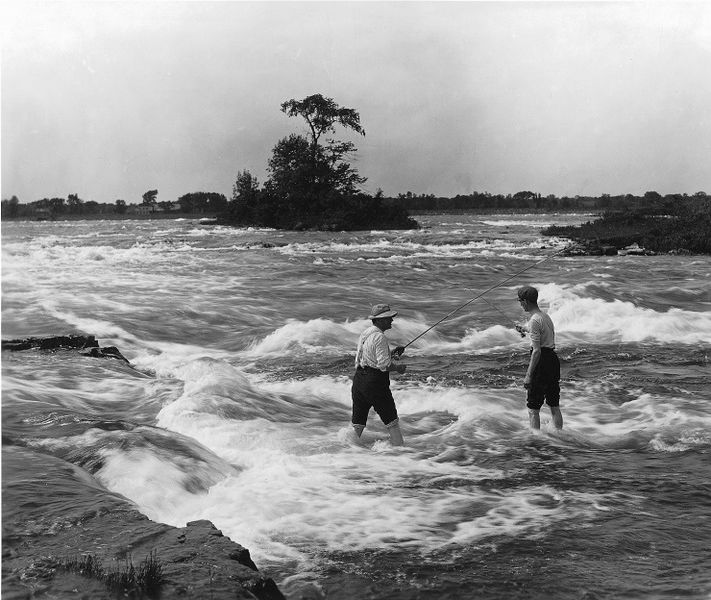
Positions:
(110, 99)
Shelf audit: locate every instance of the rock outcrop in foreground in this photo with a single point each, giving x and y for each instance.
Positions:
(196, 561)
(65, 536)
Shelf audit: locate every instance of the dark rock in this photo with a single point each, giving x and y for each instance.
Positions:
(242, 556)
(197, 561)
(86, 344)
(52, 343)
(108, 352)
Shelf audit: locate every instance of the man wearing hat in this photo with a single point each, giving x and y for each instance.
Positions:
(371, 382)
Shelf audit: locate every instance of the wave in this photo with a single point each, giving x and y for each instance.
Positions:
(520, 222)
(304, 483)
(217, 391)
(578, 319)
(158, 251)
(274, 464)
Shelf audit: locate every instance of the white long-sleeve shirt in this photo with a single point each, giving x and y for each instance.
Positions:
(373, 350)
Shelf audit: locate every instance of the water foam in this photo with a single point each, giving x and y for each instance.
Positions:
(580, 318)
(305, 483)
(577, 318)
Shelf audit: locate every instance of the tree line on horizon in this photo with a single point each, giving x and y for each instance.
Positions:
(311, 185)
(214, 203)
(551, 203)
(56, 208)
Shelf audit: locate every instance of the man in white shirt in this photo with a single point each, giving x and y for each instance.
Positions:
(371, 382)
(542, 380)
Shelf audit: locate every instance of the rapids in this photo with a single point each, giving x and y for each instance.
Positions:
(236, 405)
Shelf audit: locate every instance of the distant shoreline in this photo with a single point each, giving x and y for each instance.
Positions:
(117, 217)
(506, 211)
(197, 216)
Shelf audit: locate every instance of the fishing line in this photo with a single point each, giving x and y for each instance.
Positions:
(493, 287)
(502, 313)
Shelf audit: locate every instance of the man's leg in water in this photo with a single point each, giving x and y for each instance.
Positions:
(396, 438)
(360, 405)
(534, 418)
(553, 400)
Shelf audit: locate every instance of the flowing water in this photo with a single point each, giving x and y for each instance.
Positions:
(236, 405)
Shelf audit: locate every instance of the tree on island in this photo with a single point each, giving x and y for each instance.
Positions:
(149, 198)
(310, 183)
(326, 168)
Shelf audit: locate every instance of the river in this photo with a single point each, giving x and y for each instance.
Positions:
(236, 404)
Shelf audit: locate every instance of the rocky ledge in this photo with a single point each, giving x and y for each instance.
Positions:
(195, 561)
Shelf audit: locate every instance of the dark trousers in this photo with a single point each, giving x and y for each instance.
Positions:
(545, 381)
(371, 388)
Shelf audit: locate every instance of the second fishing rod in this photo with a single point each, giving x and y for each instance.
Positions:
(480, 295)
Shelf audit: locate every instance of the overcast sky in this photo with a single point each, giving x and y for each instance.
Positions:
(111, 99)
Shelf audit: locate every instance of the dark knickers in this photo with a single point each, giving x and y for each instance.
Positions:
(545, 382)
(371, 387)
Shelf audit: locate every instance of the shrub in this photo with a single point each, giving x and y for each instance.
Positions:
(146, 579)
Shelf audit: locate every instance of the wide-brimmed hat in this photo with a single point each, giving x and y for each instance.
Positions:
(381, 311)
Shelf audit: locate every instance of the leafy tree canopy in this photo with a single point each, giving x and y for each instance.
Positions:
(245, 186)
(322, 114)
(150, 197)
(310, 172)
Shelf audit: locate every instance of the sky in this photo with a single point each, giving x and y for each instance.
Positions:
(111, 99)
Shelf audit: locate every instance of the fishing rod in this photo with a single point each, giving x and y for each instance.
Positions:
(493, 287)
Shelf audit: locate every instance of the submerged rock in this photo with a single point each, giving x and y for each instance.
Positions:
(52, 343)
(107, 352)
(86, 344)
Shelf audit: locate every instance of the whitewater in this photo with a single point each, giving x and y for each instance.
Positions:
(235, 406)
